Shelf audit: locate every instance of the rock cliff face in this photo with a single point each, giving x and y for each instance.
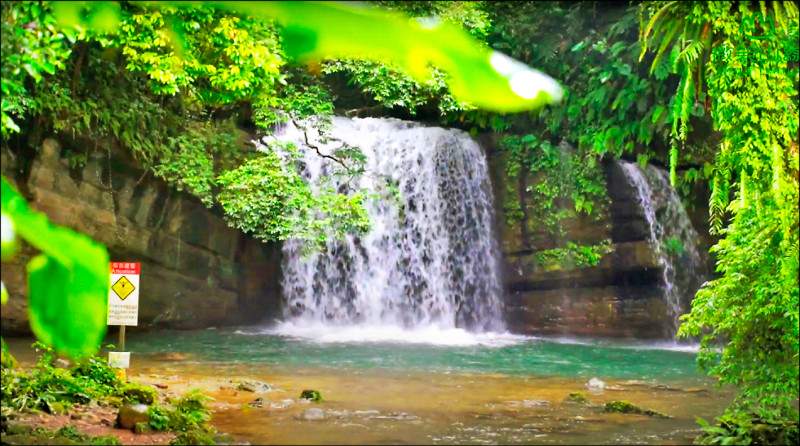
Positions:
(196, 271)
(622, 296)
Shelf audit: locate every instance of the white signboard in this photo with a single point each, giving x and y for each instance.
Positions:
(119, 360)
(123, 297)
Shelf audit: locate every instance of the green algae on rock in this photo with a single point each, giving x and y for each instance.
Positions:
(312, 395)
(624, 406)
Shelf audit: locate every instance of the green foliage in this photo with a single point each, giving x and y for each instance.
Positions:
(560, 184)
(8, 361)
(67, 283)
(52, 389)
(752, 307)
(267, 197)
(32, 45)
(192, 438)
(674, 246)
(66, 435)
(610, 105)
(611, 108)
(744, 428)
(71, 432)
(573, 256)
(314, 31)
(393, 87)
(185, 414)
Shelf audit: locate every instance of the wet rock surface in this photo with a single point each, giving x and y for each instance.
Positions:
(130, 414)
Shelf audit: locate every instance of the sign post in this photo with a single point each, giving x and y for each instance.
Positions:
(123, 306)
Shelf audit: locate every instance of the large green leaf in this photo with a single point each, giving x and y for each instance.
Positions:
(318, 30)
(67, 283)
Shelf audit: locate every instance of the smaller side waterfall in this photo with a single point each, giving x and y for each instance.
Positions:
(672, 240)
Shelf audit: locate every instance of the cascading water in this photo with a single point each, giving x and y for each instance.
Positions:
(673, 240)
(429, 259)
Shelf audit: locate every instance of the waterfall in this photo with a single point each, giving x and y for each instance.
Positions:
(672, 239)
(429, 259)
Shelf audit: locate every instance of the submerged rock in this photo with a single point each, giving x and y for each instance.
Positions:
(314, 414)
(258, 402)
(223, 438)
(253, 386)
(130, 414)
(623, 406)
(577, 398)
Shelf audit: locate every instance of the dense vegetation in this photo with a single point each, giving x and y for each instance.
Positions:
(54, 388)
(708, 89)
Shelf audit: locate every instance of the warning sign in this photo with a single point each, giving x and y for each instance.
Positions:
(123, 298)
(123, 287)
(119, 360)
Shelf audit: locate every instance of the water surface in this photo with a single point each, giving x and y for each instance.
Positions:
(465, 389)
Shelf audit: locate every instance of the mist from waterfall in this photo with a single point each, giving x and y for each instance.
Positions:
(672, 240)
(430, 258)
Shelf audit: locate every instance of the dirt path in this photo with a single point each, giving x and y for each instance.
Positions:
(94, 421)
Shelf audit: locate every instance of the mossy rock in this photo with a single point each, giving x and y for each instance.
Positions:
(113, 401)
(623, 406)
(577, 398)
(138, 394)
(19, 429)
(312, 395)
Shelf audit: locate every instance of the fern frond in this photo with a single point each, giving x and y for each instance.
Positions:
(791, 9)
(650, 26)
(665, 41)
(776, 8)
(720, 193)
(692, 52)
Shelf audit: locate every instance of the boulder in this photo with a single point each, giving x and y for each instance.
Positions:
(130, 414)
(253, 386)
(314, 414)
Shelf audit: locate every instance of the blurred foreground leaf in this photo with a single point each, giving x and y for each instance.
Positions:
(314, 31)
(67, 284)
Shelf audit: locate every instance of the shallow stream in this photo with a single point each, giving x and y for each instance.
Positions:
(430, 387)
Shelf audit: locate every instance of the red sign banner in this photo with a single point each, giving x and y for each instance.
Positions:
(125, 268)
